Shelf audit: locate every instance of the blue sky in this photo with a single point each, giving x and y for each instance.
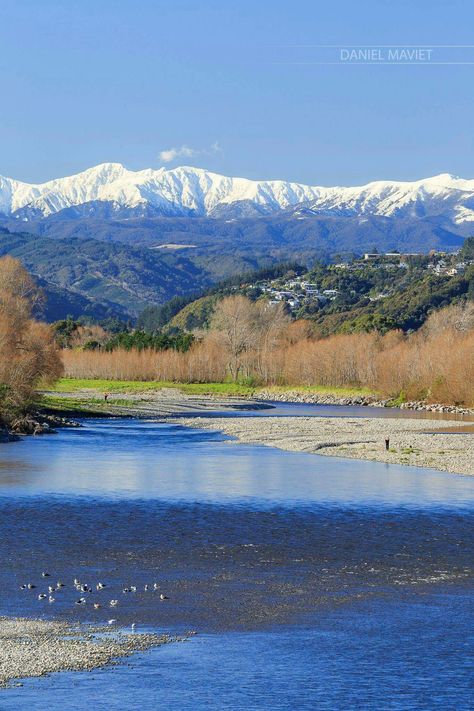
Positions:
(83, 82)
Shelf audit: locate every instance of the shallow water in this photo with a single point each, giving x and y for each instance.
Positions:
(267, 408)
(312, 582)
(381, 657)
(132, 459)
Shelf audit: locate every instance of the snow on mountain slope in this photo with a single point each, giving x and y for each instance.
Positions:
(193, 191)
(441, 195)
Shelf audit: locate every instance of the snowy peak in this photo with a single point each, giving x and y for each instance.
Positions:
(194, 191)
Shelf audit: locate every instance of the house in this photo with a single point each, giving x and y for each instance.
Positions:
(453, 271)
(441, 267)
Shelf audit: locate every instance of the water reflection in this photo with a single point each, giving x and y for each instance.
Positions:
(136, 459)
(313, 582)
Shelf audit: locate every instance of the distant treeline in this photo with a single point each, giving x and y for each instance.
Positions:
(141, 340)
(248, 342)
(74, 334)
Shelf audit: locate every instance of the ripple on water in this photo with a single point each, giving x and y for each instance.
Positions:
(313, 583)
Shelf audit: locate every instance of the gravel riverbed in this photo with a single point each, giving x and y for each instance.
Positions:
(33, 648)
(415, 442)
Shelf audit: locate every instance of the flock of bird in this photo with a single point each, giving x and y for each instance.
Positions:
(81, 587)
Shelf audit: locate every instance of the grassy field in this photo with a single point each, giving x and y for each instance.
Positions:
(91, 405)
(68, 385)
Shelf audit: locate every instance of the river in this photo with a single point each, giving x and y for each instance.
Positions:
(312, 582)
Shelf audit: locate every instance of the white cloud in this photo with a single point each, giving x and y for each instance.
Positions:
(170, 154)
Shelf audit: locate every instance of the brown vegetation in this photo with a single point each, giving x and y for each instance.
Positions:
(252, 342)
(27, 349)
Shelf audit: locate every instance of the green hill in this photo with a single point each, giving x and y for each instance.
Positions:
(116, 276)
(356, 296)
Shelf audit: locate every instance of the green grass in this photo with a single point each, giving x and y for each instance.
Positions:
(71, 404)
(411, 450)
(136, 386)
(67, 385)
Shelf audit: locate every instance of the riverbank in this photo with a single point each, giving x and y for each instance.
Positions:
(128, 393)
(315, 397)
(33, 648)
(162, 403)
(414, 442)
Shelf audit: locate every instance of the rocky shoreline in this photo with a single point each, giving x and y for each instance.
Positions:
(359, 400)
(41, 423)
(34, 648)
(35, 423)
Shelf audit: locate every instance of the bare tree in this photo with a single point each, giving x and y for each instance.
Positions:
(457, 317)
(28, 352)
(247, 329)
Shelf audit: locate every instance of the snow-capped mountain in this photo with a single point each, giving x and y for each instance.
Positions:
(442, 196)
(188, 191)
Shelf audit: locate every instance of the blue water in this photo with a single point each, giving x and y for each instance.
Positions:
(266, 408)
(132, 459)
(382, 657)
(313, 583)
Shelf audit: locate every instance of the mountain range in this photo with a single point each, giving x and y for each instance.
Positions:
(111, 240)
(112, 190)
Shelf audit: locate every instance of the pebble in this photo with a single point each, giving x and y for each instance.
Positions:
(33, 648)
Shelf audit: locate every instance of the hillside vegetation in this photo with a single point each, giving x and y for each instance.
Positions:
(352, 296)
(120, 280)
